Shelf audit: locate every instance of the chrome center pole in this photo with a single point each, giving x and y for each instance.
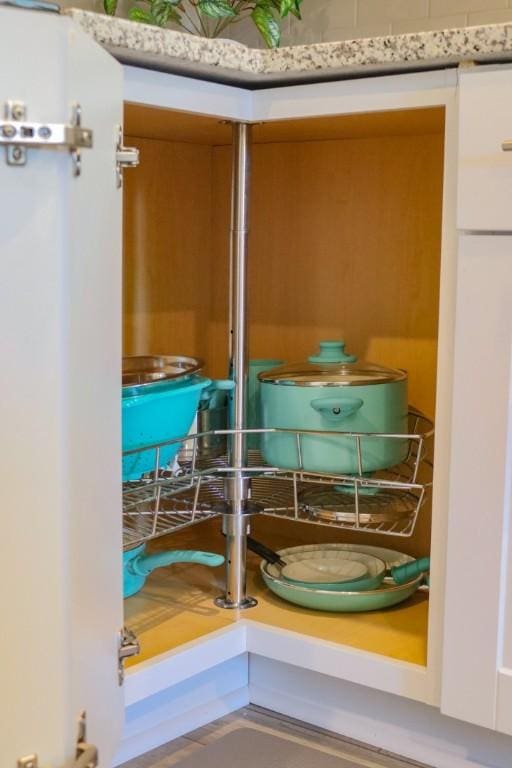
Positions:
(235, 522)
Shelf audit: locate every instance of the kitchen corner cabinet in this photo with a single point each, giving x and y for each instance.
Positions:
(377, 180)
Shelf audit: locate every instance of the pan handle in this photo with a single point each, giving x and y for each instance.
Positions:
(144, 564)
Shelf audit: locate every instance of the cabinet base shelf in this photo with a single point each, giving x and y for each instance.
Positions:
(176, 604)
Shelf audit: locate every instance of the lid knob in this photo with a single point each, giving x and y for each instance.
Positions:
(332, 352)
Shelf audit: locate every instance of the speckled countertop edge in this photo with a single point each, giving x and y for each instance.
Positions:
(118, 35)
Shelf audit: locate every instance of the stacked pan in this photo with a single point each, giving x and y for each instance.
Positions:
(343, 577)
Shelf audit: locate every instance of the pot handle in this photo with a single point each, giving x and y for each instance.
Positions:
(336, 409)
(144, 564)
(209, 392)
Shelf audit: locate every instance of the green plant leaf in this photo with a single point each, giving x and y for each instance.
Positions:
(267, 24)
(285, 6)
(110, 7)
(295, 9)
(163, 11)
(139, 14)
(216, 9)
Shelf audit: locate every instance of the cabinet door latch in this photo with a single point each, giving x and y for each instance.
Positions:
(128, 646)
(18, 134)
(126, 157)
(86, 755)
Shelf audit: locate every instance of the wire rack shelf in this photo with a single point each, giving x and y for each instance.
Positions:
(192, 490)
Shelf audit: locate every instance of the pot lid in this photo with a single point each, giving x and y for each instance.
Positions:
(332, 367)
(140, 370)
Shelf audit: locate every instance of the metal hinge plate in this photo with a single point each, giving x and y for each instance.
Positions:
(126, 157)
(128, 646)
(18, 134)
(86, 755)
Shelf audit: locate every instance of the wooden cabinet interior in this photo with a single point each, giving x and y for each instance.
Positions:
(176, 605)
(345, 242)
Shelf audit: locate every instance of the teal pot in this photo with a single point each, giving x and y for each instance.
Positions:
(333, 392)
(156, 413)
(254, 417)
(137, 565)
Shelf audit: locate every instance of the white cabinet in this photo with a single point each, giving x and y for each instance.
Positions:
(60, 288)
(477, 619)
(477, 661)
(485, 169)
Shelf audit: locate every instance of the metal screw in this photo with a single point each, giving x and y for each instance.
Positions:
(17, 154)
(8, 131)
(18, 111)
(44, 132)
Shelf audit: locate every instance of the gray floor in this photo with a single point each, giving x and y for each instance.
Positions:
(269, 740)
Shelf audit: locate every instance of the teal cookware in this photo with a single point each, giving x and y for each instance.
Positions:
(318, 569)
(160, 398)
(137, 565)
(254, 418)
(346, 570)
(388, 593)
(157, 413)
(334, 392)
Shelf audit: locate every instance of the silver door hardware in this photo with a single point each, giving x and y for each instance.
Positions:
(126, 157)
(86, 755)
(507, 145)
(128, 646)
(18, 134)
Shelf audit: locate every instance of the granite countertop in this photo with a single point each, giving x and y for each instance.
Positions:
(230, 62)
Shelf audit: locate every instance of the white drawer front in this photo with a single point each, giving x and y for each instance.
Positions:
(485, 169)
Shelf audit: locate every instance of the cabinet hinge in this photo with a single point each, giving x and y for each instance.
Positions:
(126, 157)
(86, 755)
(128, 646)
(18, 134)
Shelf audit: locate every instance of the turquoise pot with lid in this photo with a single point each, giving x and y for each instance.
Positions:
(334, 392)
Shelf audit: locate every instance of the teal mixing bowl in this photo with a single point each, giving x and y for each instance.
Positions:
(155, 414)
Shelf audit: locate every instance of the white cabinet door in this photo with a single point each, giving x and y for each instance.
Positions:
(60, 341)
(485, 169)
(477, 659)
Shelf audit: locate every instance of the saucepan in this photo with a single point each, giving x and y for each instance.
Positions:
(137, 565)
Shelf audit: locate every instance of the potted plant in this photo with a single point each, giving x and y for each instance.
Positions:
(209, 18)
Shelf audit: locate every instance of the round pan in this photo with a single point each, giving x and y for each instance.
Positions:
(314, 564)
(341, 601)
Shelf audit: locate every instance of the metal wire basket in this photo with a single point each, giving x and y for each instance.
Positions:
(385, 502)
